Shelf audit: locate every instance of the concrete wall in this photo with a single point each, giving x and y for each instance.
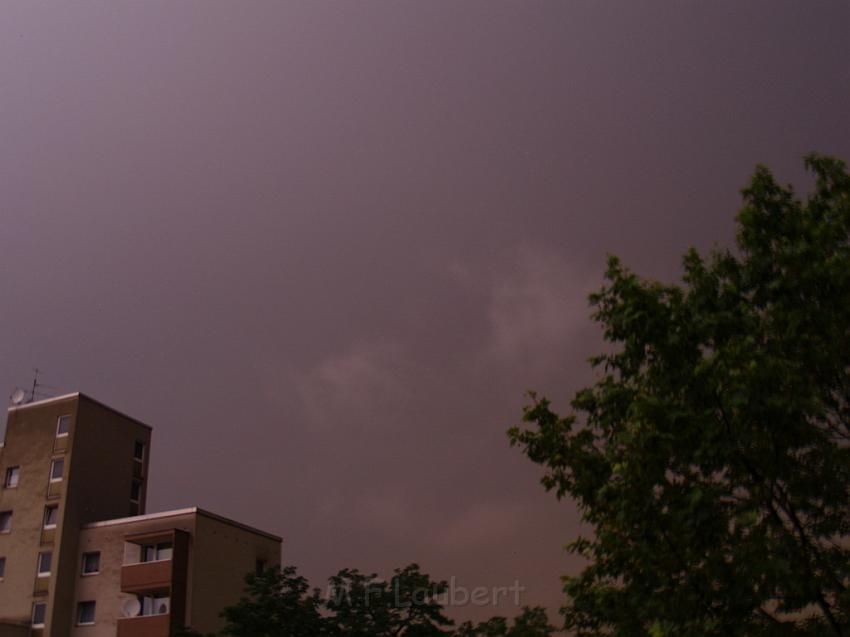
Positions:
(30, 441)
(11, 630)
(224, 553)
(99, 480)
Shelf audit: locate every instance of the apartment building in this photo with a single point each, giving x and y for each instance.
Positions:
(79, 554)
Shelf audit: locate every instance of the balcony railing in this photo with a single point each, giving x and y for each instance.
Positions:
(144, 626)
(146, 576)
(42, 585)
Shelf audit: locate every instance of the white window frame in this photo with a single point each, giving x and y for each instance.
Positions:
(141, 486)
(50, 507)
(52, 465)
(39, 572)
(34, 606)
(9, 473)
(58, 424)
(80, 606)
(83, 570)
(150, 602)
(157, 547)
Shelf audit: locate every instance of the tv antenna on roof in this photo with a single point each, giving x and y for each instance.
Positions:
(20, 396)
(34, 384)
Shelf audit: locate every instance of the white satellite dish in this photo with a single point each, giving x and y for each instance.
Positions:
(132, 607)
(18, 396)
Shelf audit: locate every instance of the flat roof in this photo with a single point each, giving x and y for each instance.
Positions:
(176, 513)
(44, 401)
(77, 394)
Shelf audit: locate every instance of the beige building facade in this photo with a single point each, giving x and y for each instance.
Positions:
(80, 557)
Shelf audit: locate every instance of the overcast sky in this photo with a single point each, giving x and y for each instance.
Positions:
(325, 247)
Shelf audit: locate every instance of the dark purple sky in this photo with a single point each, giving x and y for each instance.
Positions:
(324, 247)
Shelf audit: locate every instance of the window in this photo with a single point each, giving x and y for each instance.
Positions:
(44, 562)
(5, 522)
(136, 491)
(63, 426)
(139, 451)
(39, 610)
(85, 613)
(57, 469)
(51, 515)
(91, 563)
(157, 552)
(13, 476)
(156, 604)
(2, 567)
(259, 567)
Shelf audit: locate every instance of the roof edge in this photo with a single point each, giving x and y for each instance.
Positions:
(244, 527)
(44, 401)
(79, 395)
(140, 518)
(178, 512)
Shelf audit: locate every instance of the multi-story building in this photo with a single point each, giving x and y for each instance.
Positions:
(79, 555)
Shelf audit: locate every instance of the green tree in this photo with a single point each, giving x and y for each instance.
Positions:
(712, 455)
(363, 605)
(278, 603)
(532, 622)
(493, 627)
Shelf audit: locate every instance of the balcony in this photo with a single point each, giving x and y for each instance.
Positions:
(54, 489)
(156, 571)
(42, 585)
(146, 576)
(145, 626)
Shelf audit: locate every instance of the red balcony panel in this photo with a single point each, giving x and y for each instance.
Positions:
(150, 626)
(146, 576)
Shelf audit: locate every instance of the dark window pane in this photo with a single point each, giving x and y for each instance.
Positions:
(148, 553)
(57, 469)
(63, 426)
(85, 613)
(44, 562)
(51, 515)
(91, 562)
(13, 477)
(39, 610)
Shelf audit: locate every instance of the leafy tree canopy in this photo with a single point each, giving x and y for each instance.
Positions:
(532, 622)
(280, 603)
(711, 456)
(406, 606)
